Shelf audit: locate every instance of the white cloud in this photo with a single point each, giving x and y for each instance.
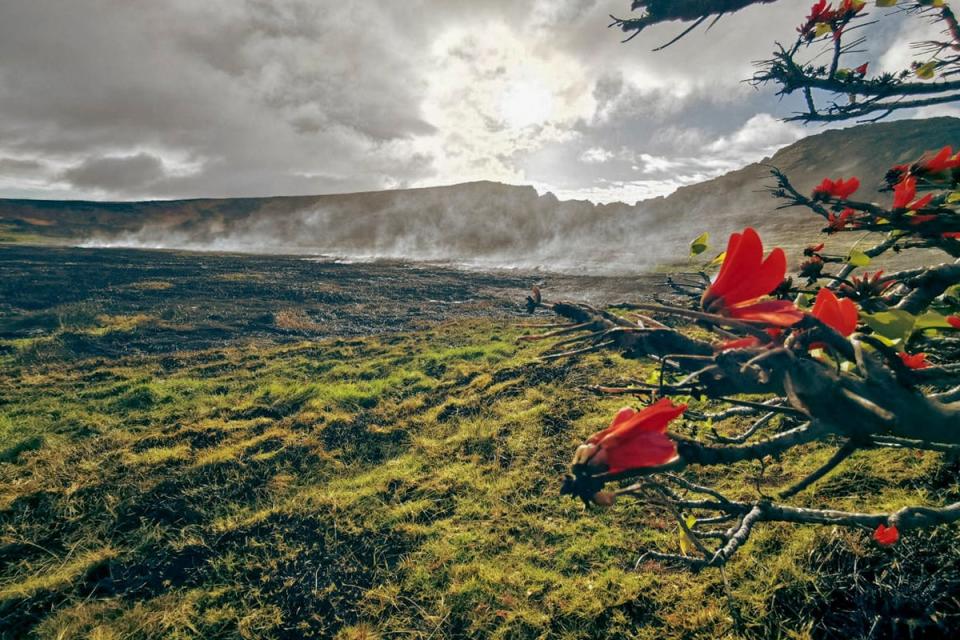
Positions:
(655, 164)
(629, 191)
(596, 155)
(759, 137)
(899, 52)
(762, 135)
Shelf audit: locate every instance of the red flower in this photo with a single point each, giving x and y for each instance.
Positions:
(953, 235)
(954, 321)
(850, 8)
(914, 361)
(745, 277)
(905, 191)
(866, 286)
(839, 222)
(886, 536)
(838, 313)
(862, 69)
(819, 12)
(636, 439)
(840, 188)
(941, 162)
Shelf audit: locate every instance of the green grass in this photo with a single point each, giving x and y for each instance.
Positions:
(396, 486)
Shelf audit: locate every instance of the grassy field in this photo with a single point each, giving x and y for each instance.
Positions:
(203, 447)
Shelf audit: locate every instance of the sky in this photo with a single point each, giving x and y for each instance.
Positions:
(140, 99)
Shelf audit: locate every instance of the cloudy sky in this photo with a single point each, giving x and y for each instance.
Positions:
(132, 99)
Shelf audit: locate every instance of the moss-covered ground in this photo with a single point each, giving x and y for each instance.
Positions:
(403, 484)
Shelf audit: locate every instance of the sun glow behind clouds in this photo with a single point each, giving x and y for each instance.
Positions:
(492, 95)
(526, 102)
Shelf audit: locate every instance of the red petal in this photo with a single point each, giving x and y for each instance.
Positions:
(846, 189)
(826, 186)
(850, 316)
(740, 343)
(904, 192)
(939, 162)
(885, 535)
(780, 313)
(841, 315)
(622, 416)
(766, 277)
(640, 441)
(914, 361)
(646, 449)
(738, 265)
(715, 291)
(921, 203)
(954, 321)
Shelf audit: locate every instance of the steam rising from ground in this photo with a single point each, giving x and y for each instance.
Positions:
(484, 225)
(493, 225)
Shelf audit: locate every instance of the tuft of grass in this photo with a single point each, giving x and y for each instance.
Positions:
(54, 578)
(296, 320)
(159, 455)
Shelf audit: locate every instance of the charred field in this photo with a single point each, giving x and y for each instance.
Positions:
(223, 446)
(181, 301)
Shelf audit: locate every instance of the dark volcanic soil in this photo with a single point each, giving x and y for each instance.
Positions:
(181, 301)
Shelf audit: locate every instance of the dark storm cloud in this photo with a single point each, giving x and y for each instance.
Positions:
(116, 173)
(136, 98)
(259, 96)
(20, 167)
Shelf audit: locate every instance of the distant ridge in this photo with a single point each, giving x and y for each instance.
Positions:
(493, 224)
(867, 151)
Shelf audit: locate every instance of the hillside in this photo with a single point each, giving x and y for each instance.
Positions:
(736, 199)
(487, 223)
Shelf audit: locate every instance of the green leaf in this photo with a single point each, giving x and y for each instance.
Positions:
(719, 259)
(894, 324)
(931, 320)
(700, 244)
(887, 341)
(927, 70)
(858, 258)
